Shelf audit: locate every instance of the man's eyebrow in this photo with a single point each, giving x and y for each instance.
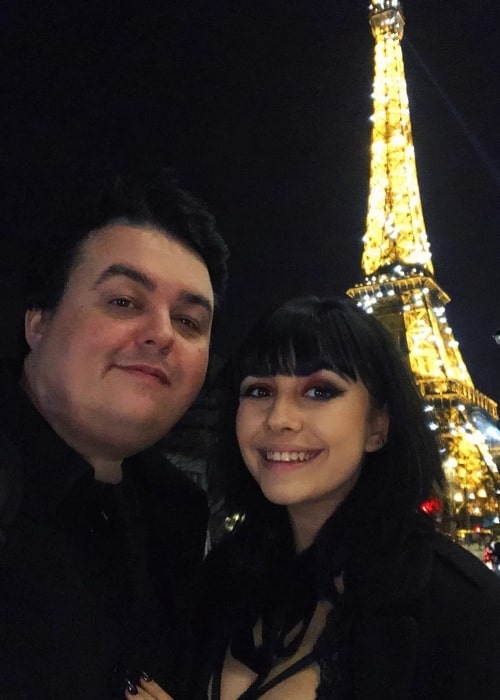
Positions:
(118, 270)
(194, 299)
(185, 297)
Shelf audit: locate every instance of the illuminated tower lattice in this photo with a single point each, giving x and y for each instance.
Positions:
(400, 289)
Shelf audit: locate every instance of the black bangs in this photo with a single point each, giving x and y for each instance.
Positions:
(304, 336)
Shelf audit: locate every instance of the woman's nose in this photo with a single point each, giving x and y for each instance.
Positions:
(283, 415)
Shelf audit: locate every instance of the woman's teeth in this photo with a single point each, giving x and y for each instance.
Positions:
(289, 456)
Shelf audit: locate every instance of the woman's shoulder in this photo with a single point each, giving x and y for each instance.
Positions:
(453, 563)
(459, 630)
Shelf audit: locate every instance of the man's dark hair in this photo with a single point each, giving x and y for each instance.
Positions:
(148, 197)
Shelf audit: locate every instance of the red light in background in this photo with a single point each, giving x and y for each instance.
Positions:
(432, 506)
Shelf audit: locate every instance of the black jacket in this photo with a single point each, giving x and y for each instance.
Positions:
(91, 575)
(432, 633)
(420, 621)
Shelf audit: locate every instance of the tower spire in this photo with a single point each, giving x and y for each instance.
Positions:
(400, 289)
(395, 228)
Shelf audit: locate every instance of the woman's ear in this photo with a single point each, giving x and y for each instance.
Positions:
(379, 428)
(35, 321)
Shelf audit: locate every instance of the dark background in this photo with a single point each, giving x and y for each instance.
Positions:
(263, 107)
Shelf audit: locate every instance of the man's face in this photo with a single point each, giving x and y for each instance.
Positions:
(125, 352)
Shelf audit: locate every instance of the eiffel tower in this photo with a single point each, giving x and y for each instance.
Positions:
(399, 288)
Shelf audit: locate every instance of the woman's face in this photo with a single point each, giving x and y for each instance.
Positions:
(303, 438)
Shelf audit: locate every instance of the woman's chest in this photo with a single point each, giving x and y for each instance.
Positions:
(291, 669)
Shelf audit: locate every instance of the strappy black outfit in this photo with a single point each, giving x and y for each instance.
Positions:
(416, 618)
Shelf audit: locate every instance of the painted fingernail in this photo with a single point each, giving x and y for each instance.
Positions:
(146, 677)
(130, 687)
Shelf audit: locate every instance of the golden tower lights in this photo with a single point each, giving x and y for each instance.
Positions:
(399, 285)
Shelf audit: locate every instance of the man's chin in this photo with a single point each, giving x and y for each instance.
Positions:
(139, 434)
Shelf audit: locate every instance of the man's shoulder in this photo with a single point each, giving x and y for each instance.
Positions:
(158, 477)
(176, 513)
(174, 503)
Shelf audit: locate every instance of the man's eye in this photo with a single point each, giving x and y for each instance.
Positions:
(189, 323)
(255, 391)
(323, 392)
(122, 303)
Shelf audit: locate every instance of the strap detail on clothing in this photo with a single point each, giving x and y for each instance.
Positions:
(216, 681)
(255, 692)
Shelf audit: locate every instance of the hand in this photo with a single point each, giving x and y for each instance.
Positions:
(146, 689)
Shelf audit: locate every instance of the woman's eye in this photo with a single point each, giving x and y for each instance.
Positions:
(255, 392)
(323, 392)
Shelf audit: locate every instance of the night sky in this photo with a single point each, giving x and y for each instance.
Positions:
(263, 109)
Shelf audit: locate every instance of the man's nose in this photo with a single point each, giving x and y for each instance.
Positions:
(283, 415)
(159, 331)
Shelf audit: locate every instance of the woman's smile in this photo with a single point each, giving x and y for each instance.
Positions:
(276, 459)
(303, 438)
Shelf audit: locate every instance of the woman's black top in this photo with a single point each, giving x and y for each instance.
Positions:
(412, 619)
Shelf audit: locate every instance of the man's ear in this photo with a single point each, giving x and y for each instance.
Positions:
(35, 321)
(379, 427)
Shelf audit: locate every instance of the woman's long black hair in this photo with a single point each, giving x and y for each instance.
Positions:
(302, 336)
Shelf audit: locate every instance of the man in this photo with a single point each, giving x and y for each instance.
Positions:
(100, 534)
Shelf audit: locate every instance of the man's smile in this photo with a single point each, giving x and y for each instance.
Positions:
(149, 370)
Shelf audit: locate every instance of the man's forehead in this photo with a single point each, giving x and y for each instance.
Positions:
(115, 242)
(123, 251)
(118, 234)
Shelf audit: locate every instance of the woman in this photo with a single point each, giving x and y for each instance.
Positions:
(333, 584)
